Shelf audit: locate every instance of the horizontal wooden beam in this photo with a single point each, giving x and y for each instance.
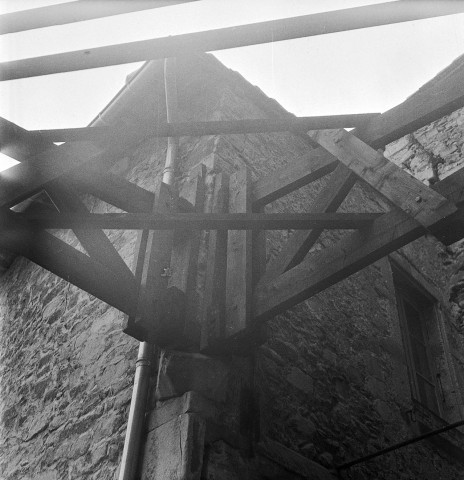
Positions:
(203, 221)
(72, 12)
(225, 127)
(66, 262)
(231, 37)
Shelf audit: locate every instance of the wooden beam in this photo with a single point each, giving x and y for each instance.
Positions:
(239, 258)
(186, 244)
(441, 96)
(220, 127)
(231, 37)
(19, 144)
(112, 189)
(151, 322)
(212, 307)
(299, 244)
(95, 242)
(66, 262)
(72, 12)
(386, 234)
(389, 180)
(202, 221)
(316, 273)
(24, 179)
(298, 173)
(452, 187)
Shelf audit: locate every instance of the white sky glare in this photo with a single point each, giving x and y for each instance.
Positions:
(365, 70)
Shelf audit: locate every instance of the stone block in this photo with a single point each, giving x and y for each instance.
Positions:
(174, 450)
(190, 402)
(183, 372)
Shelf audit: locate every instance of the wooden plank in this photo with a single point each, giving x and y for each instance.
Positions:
(203, 221)
(112, 189)
(316, 273)
(95, 242)
(299, 244)
(439, 97)
(219, 127)
(184, 255)
(78, 11)
(300, 172)
(239, 258)
(66, 262)
(230, 37)
(24, 179)
(259, 251)
(151, 305)
(393, 183)
(212, 308)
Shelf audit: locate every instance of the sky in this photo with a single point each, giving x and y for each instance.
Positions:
(367, 70)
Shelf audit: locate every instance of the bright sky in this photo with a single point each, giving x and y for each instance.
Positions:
(359, 71)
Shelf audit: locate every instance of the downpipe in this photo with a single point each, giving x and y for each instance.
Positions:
(138, 406)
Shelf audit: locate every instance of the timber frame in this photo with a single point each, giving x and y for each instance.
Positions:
(252, 293)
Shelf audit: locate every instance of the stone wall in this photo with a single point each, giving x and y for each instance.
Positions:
(328, 384)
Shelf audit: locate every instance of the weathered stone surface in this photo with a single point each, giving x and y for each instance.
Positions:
(174, 450)
(294, 462)
(190, 402)
(301, 381)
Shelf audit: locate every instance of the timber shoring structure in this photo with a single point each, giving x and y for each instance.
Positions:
(81, 165)
(253, 295)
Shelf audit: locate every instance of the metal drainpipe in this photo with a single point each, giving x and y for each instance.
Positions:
(136, 420)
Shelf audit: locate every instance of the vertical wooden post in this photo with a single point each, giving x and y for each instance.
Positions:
(212, 310)
(153, 271)
(184, 257)
(259, 251)
(239, 258)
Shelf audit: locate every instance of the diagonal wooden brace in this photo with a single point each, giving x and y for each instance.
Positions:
(420, 202)
(299, 244)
